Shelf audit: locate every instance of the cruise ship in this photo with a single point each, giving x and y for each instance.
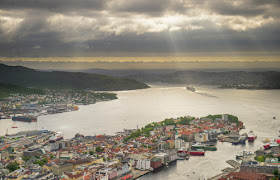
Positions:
(58, 136)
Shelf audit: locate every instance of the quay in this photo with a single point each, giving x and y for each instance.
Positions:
(139, 173)
(233, 163)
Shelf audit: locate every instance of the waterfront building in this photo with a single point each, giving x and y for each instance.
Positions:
(178, 143)
(201, 137)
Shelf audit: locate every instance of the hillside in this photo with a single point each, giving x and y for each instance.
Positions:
(7, 89)
(27, 77)
(227, 79)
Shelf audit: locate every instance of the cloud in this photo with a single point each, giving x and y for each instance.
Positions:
(87, 27)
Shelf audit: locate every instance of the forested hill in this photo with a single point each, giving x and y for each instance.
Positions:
(7, 89)
(22, 76)
(226, 79)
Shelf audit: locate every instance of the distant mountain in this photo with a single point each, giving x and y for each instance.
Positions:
(7, 89)
(27, 77)
(227, 79)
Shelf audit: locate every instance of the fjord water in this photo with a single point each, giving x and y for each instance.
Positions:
(255, 108)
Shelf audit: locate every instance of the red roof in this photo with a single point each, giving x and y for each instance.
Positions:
(126, 177)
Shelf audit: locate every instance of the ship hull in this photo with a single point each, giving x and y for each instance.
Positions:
(197, 153)
(251, 139)
(24, 119)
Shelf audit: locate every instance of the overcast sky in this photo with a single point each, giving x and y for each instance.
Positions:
(138, 27)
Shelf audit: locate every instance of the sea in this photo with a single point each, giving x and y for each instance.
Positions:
(136, 108)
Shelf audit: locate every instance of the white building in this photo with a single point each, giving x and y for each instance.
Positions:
(143, 164)
(201, 137)
(225, 117)
(178, 143)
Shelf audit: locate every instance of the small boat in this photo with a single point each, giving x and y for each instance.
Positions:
(190, 88)
(251, 136)
(266, 146)
(181, 158)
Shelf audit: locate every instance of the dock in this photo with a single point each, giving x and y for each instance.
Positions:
(233, 163)
(137, 173)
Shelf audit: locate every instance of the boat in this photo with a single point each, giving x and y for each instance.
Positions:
(273, 144)
(190, 88)
(240, 141)
(14, 127)
(266, 146)
(58, 136)
(180, 151)
(204, 147)
(25, 118)
(251, 136)
(5, 117)
(239, 155)
(181, 158)
(197, 152)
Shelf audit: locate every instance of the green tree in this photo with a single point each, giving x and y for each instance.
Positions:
(40, 163)
(45, 160)
(261, 158)
(98, 149)
(51, 156)
(26, 158)
(276, 172)
(91, 152)
(13, 166)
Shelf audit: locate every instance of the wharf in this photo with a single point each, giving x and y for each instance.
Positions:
(138, 173)
(233, 163)
(247, 157)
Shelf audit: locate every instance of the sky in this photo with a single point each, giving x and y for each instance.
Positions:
(140, 28)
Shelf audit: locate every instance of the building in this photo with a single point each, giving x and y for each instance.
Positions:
(253, 167)
(178, 143)
(201, 137)
(58, 169)
(225, 117)
(246, 176)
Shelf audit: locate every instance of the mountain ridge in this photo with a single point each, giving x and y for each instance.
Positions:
(26, 77)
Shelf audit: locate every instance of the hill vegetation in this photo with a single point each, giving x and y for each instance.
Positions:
(27, 77)
(7, 89)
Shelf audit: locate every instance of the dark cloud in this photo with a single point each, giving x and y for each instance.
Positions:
(89, 27)
(58, 6)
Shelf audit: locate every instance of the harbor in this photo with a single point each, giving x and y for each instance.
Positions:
(210, 158)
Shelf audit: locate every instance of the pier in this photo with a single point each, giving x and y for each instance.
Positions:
(233, 163)
(137, 173)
